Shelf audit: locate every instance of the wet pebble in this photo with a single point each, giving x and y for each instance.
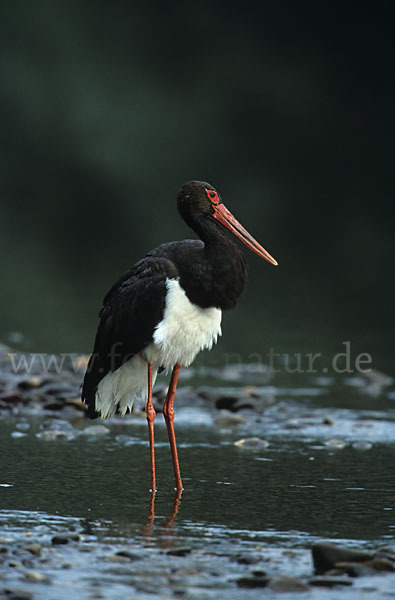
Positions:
(22, 426)
(31, 382)
(128, 555)
(380, 564)
(61, 392)
(12, 594)
(62, 539)
(335, 444)
(5, 406)
(95, 430)
(34, 549)
(385, 552)
(117, 558)
(182, 551)
(15, 564)
(59, 424)
(12, 397)
(352, 569)
(247, 398)
(288, 583)
(259, 581)
(36, 577)
(229, 401)
(227, 419)
(362, 445)
(248, 559)
(53, 405)
(76, 403)
(57, 429)
(258, 573)
(250, 402)
(329, 581)
(293, 424)
(18, 434)
(55, 434)
(252, 443)
(326, 555)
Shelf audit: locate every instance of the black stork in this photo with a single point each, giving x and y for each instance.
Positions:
(164, 310)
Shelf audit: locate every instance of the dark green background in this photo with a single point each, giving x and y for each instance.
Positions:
(287, 108)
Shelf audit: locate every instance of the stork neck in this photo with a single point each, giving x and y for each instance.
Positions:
(210, 232)
(227, 267)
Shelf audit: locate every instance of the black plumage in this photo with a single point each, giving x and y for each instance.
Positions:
(212, 271)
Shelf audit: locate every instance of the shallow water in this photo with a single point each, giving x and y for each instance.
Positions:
(274, 502)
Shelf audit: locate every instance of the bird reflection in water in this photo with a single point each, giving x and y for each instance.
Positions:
(168, 525)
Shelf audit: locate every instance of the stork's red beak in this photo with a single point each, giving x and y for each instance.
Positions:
(225, 217)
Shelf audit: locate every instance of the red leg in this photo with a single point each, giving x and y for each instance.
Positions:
(168, 411)
(151, 414)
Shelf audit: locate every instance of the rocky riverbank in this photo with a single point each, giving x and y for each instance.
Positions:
(240, 427)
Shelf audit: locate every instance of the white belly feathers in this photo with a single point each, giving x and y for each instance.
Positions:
(184, 331)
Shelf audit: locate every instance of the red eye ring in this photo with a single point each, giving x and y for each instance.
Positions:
(213, 196)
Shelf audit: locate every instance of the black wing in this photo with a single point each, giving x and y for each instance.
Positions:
(131, 310)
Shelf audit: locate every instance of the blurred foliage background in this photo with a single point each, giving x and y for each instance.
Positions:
(286, 108)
